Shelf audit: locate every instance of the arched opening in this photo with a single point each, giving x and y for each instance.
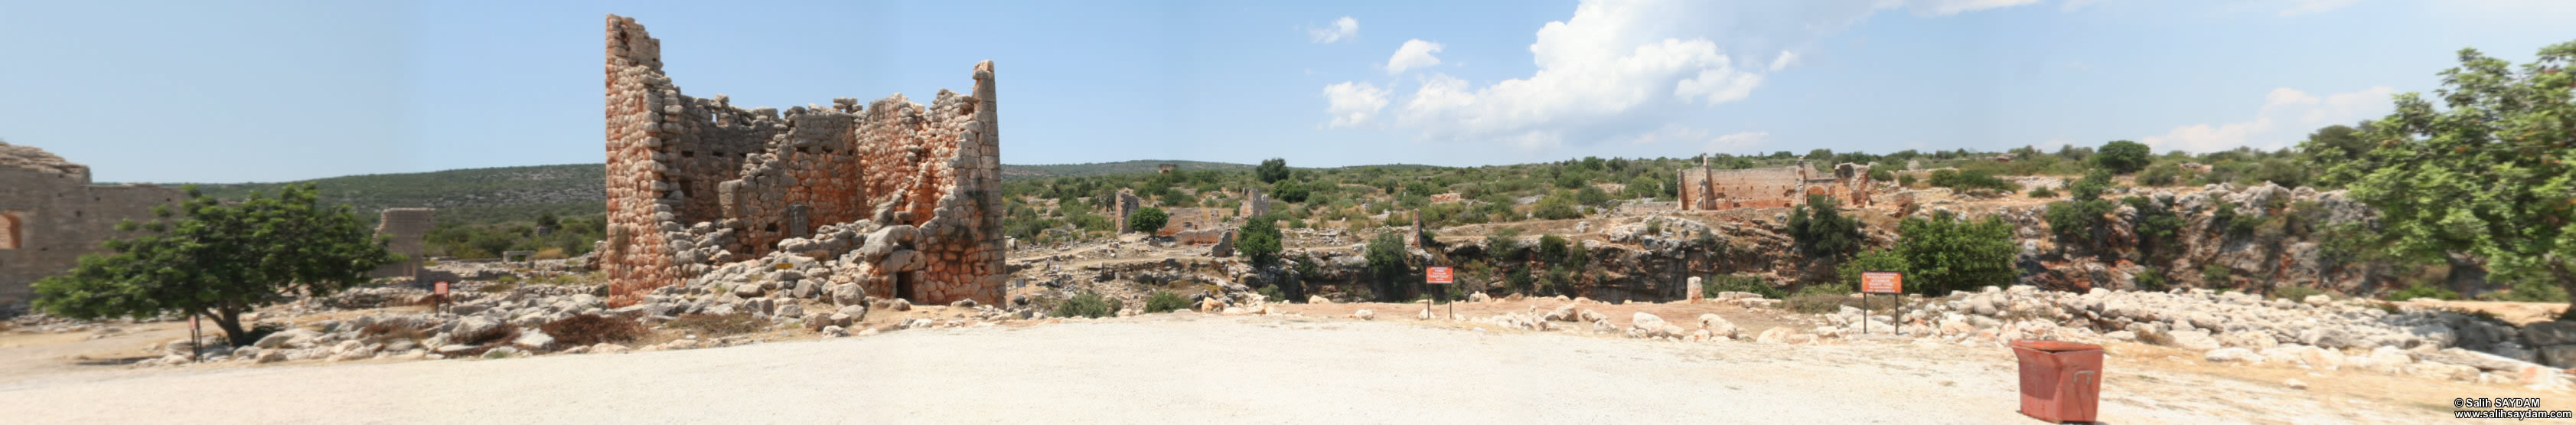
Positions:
(10, 233)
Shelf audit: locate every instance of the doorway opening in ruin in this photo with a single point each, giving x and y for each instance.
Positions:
(903, 285)
(10, 237)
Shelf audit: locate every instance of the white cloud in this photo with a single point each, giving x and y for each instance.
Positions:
(1670, 132)
(1414, 54)
(1786, 58)
(2303, 7)
(1341, 29)
(2287, 116)
(1736, 143)
(1953, 7)
(1353, 104)
(1617, 66)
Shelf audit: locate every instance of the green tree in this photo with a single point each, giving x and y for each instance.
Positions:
(1289, 190)
(1271, 170)
(1260, 241)
(2493, 174)
(2335, 145)
(1819, 230)
(1876, 260)
(220, 260)
(1386, 262)
(1148, 220)
(1945, 254)
(2122, 156)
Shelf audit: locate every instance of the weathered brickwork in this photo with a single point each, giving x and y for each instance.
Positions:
(50, 214)
(1713, 189)
(697, 181)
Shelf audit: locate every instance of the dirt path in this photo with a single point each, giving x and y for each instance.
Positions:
(1164, 368)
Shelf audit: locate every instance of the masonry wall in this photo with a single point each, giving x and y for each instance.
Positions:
(53, 216)
(764, 175)
(404, 229)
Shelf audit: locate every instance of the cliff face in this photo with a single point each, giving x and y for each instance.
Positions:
(2222, 236)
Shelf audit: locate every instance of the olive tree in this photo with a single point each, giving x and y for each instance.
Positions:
(219, 260)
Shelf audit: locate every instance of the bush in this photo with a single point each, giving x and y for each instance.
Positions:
(706, 325)
(1972, 179)
(1880, 175)
(2075, 222)
(2420, 290)
(1086, 305)
(1148, 220)
(1946, 254)
(1166, 301)
(2150, 280)
(1819, 230)
(2163, 174)
(1289, 190)
(1260, 241)
(2122, 156)
(589, 329)
(2043, 193)
(1906, 180)
(2216, 274)
(1271, 170)
(1731, 283)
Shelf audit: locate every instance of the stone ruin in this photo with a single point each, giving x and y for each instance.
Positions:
(1126, 206)
(404, 230)
(900, 199)
(1707, 189)
(50, 214)
(1255, 204)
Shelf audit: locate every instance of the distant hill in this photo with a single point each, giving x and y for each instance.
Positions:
(488, 195)
(1016, 172)
(479, 195)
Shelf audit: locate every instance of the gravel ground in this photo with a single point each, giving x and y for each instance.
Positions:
(1163, 369)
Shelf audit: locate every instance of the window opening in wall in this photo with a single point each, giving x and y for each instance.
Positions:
(688, 154)
(800, 149)
(773, 228)
(719, 154)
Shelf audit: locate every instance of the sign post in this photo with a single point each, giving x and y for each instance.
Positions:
(438, 294)
(1439, 275)
(196, 338)
(1891, 283)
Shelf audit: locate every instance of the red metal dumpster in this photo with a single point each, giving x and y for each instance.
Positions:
(2060, 381)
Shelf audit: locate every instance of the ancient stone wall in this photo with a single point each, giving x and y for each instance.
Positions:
(50, 215)
(1188, 219)
(695, 181)
(1254, 203)
(1127, 205)
(403, 229)
(1708, 189)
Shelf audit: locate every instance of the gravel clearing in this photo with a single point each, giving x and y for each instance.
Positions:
(1167, 369)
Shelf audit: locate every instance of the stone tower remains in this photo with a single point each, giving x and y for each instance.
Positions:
(50, 214)
(902, 199)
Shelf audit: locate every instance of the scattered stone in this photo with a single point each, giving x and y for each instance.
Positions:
(1364, 314)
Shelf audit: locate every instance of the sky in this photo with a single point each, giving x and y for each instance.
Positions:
(279, 91)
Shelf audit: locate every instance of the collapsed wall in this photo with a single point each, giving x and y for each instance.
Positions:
(50, 214)
(902, 199)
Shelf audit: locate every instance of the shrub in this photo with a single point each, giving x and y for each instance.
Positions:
(2216, 274)
(1086, 305)
(1387, 260)
(1946, 254)
(1260, 241)
(2122, 156)
(1148, 220)
(1552, 249)
(1166, 301)
(2150, 279)
(2421, 290)
(1273, 293)
(717, 324)
(1880, 175)
(1906, 180)
(1972, 179)
(588, 329)
(2043, 193)
(2074, 222)
(2163, 174)
(1819, 230)
(1504, 243)
(1732, 283)
(1521, 282)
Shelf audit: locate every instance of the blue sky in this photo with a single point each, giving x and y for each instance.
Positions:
(272, 91)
